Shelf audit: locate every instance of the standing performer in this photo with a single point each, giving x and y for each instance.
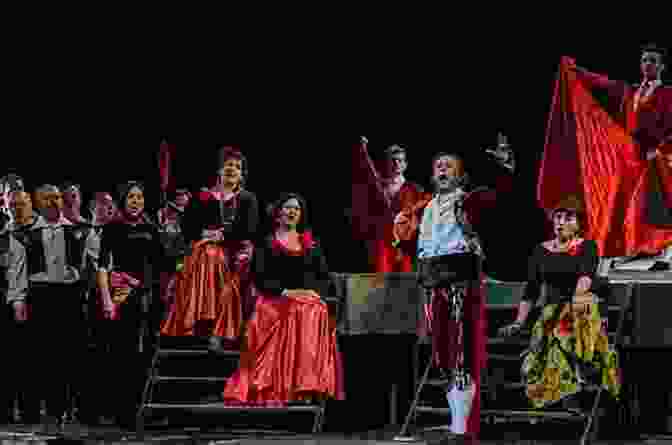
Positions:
(130, 254)
(55, 256)
(376, 200)
(290, 351)
(103, 210)
(618, 155)
(170, 222)
(219, 224)
(13, 315)
(441, 229)
(72, 198)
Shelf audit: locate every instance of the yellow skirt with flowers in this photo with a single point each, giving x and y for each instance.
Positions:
(568, 350)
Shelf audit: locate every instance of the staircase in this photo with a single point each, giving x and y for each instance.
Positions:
(186, 379)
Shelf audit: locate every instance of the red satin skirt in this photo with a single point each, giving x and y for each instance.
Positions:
(207, 295)
(289, 354)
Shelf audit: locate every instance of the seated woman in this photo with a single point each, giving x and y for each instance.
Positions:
(289, 351)
(219, 224)
(569, 345)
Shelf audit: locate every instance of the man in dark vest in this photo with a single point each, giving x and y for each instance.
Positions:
(55, 258)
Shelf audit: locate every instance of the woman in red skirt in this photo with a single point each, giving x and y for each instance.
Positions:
(219, 223)
(289, 350)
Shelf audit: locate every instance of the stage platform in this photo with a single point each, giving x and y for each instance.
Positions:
(75, 434)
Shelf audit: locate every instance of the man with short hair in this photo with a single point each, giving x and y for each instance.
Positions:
(55, 250)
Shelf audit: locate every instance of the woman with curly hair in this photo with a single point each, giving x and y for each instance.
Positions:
(289, 350)
(569, 344)
(219, 224)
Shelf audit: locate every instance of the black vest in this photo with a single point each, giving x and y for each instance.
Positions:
(75, 243)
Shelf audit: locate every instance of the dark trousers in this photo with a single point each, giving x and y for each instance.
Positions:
(117, 365)
(13, 381)
(55, 345)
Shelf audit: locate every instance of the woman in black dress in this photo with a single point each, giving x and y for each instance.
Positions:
(130, 255)
(569, 343)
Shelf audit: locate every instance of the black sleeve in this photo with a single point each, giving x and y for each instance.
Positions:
(265, 276)
(533, 286)
(248, 221)
(588, 259)
(192, 221)
(321, 270)
(162, 258)
(106, 243)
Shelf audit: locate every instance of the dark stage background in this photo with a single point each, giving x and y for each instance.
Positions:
(301, 110)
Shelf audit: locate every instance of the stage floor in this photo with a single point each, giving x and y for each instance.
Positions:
(75, 434)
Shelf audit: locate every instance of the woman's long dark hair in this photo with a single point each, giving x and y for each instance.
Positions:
(273, 210)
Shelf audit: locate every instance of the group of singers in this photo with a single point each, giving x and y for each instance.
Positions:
(217, 280)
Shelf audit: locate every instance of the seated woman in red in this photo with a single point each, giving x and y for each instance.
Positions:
(289, 349)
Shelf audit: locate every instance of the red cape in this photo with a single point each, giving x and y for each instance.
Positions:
(589, 154)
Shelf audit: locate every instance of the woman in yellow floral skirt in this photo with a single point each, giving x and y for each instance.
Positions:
(569, 346)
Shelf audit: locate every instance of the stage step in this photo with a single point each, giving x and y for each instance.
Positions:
(197, 352)
(160, 378)
(222, 407)
(539, 414)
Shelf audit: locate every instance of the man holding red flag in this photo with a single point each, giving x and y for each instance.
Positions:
(376, 199)
(620, 156)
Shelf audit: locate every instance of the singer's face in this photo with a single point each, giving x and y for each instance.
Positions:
(565, 224)
(447, 167)
(135, 202)
(72, 198)
(396, 165)
(651, 64)
(105, 208)
(231, 170)
(290, 212)
(22, 207)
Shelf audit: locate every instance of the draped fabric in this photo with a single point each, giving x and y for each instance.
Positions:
(585, 142)
(207, 294)
(289, 354)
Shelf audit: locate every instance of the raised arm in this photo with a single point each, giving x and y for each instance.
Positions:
(407, 222)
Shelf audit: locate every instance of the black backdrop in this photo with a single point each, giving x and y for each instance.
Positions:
(300, 112)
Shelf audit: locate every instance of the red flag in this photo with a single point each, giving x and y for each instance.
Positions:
(369, 206)
(560, 172)
(166, 152)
